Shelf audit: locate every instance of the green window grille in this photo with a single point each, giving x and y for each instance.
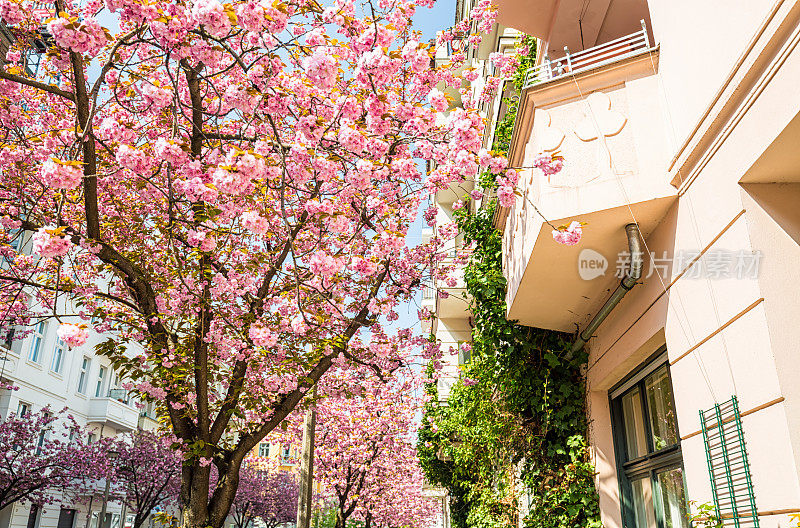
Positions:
(728, 467)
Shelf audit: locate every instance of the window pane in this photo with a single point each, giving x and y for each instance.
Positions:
(58, 356)
(659, 404)
(673, 500)
(36, 343)
(642, 503)
(632, 415)
(98, 391)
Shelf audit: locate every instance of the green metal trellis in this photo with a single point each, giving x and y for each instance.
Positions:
(728, 467)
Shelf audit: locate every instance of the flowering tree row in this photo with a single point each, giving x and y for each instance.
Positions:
(230, 185)
(366, 462)
(44, 458)
(265, 494)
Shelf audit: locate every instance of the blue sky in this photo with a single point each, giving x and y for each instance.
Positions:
(429, 21)
(439, 17)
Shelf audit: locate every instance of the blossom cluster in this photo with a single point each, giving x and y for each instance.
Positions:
(84, 36)
(73, 335)
(549, 164)
(49, 242)
(568, 235)
(60, 175)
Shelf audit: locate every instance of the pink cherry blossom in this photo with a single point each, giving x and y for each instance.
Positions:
(548, 164)
(438, 100)
(85, 36)
(505, 195)
(262, 336)
(73, 335)
(570, 235)
(203, 240)
(11, 12)
(322, 68)
(156, 96)
(49, 244)
(211, 14)
(254, 222)
(60, 175)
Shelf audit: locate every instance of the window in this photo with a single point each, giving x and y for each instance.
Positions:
(33, 516)
(35, 352)
(84, 375)
(43, 434)
(23, 409)
(287, 455)
(90, 438)
(648, 449)
(66, 519)
(98, 390)
(263, 449)
(463, 355)
(7, 337)
(57, 364)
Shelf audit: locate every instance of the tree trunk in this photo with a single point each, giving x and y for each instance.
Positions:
(341, 519)
(202, 509)
(139, 519)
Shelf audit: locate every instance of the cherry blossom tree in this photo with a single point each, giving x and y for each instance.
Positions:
(229, 185)
(365, 459)
(147, 471)
(280, 504)
(38, 457)
(270, 496)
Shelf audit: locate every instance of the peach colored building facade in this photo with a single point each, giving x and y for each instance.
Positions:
(682, 118)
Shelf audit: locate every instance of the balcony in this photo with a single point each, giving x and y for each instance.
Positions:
(458, 190)
(451, 301)
(596, 57)
(601, 109)
(112, 411)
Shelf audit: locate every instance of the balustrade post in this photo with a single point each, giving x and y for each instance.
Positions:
(548, 69)
(644, 32)
(569, 59)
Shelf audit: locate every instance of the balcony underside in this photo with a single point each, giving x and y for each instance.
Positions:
(530, 17)
(455, 305)
(551, 293)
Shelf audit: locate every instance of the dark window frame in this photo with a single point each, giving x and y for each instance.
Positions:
(653, 462)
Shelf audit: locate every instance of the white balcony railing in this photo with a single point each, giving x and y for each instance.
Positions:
(595, 57)
(110, 410)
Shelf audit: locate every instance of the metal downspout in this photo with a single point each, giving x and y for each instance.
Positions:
(627, 283)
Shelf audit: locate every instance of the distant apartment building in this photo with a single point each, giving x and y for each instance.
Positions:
(679, 123)
(49, 374)
(452, 324)
(276, 455)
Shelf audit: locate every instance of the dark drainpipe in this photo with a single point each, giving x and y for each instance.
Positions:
(627, 283)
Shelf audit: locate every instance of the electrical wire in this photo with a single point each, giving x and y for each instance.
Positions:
(618, 179)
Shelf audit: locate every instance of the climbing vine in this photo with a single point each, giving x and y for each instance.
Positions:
(515, 422)
(514, 425)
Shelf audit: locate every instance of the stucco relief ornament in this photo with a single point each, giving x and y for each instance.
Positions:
(600, 121)
(551, 137)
